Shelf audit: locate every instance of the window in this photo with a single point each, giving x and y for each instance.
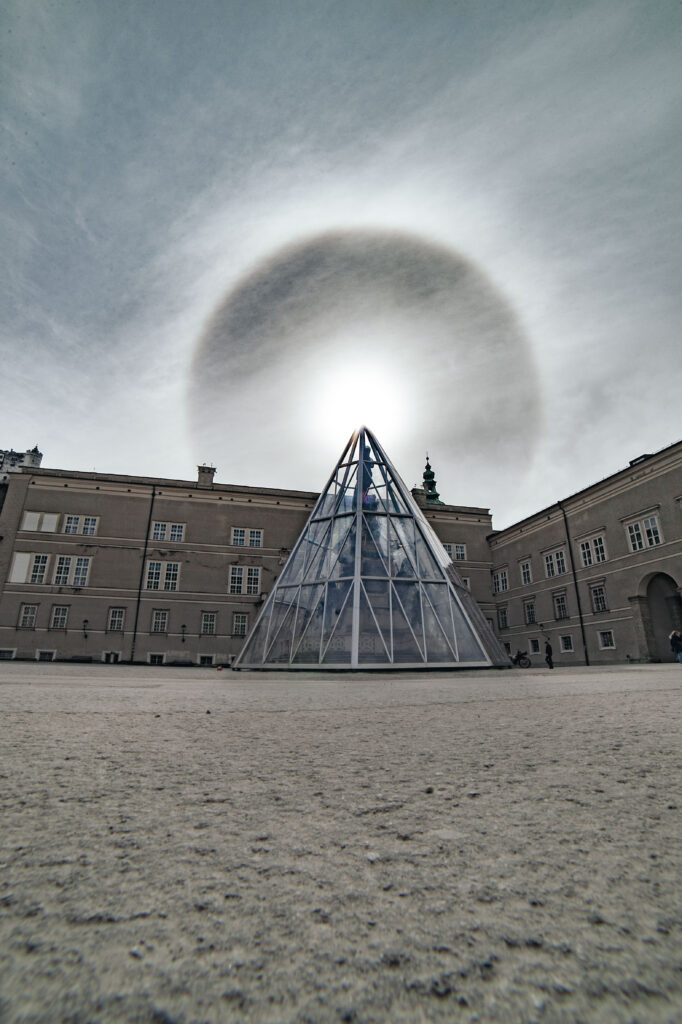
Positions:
(7, 653)
(592, 551)
(255, 538)
(239, 624)
(566, 643)
(526, 573)
(159, 621)
(206, 660)
(208, 623)
(534, 645)
(45, 522)
(86, 525)
(80, 572)
(644, 534)
(606, 640)
(45, 655)
(156, 659)
(237, 580)
(598, 595)
(500, 581)
(38, 569)
(560, 607)
(502, 620)
(555, 564)
(27, 616)
(59, 617)
(116, 620)
(168, 531)
(62, 571)
(448, 548)
(467, 582)
(238, 537)
(529, 612)
(460, 552)
(171, 575)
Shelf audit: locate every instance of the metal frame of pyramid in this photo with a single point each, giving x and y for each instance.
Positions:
(368, 585)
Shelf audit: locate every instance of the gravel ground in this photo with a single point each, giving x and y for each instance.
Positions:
(194, 846)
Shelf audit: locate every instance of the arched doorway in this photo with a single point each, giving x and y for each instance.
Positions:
(665, 614)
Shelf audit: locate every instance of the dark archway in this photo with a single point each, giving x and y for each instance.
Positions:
(665, 614)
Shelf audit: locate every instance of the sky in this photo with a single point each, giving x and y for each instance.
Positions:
(236, 231)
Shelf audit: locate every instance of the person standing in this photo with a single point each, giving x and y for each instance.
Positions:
(676, 644)
(548, 654)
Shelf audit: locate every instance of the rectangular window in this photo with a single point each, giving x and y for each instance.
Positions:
(467, 582)
(460, 552)
(606, 641)
(177, 532)
(592, 551)
(555, 564)
(80, 572)
(253, 581)
(206, 659)
(27, 616)
(448, 548)
(526, 573)
(500, 581)
(45, 655)
(72, 524)
(159, 621)
(62, 571)
(156, 659)
(534, 645)
(170, 580)
(7, 653)
(239, 623)
(38, 569)
(30, 521)
(159, 531)
(153, 576)
(236, 579)
(59, 617)
(116, 620)
(560, 607)
(238, 537)
(502, 620)
(566, 643)
(89, 526)
(255, 538)
(208, 623)
(529, 612)
(585, 553)
(651, 530)
(599, 549)
(599, 598)
(636, 539)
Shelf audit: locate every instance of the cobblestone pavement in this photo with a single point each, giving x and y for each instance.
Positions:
(195, 846)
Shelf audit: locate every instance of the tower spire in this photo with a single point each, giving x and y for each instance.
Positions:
(432, 495)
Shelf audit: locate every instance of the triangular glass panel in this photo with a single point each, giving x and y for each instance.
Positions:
(285, 600)
(337, 595)
(306, 649)
(371, 646)
(339, 532)
(371, 563)
(410, 599)
(429, 567)
(469, 647)
(437, 647)
(378, 527)
(345, 563)
(405, 647)
(378, 596)
(403, 556)
(279, 649)
(338, 635)
(438, 595)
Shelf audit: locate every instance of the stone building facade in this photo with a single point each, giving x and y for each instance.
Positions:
(113, 568)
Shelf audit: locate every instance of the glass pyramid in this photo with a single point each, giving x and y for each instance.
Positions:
(368, 585)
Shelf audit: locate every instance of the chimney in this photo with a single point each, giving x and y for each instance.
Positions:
(206, 474)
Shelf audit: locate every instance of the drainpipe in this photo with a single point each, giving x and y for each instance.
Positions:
(575, 582)
(141, 581)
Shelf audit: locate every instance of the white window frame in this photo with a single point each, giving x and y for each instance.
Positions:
(533, 645)
(460, 552)
(448, 548)
(563, 640)
(112, 614)
(156, 655)
(252, 580)
(643, 533)
(238, 538)
(168, 531)
(205, 660)
(597, 600)
(236, 583)
(8, 653)
(560, 605)
(500, 581)
(40, 651)
(601, 633)
(555, 563)
(28, 619)
(526, 572)
(39, 567)
(206, 619)
(40, 522)
(157, 571)
(72, 525)
(243, 625)
(60, 625)
(159, 616)
(530, 620)
(177, 533)
(593, 550)
(503, 618)
(256, 538)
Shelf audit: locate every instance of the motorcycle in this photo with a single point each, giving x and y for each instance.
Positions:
(520, 659)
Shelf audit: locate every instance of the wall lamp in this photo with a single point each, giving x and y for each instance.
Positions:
(85, 628)
(183, 630)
